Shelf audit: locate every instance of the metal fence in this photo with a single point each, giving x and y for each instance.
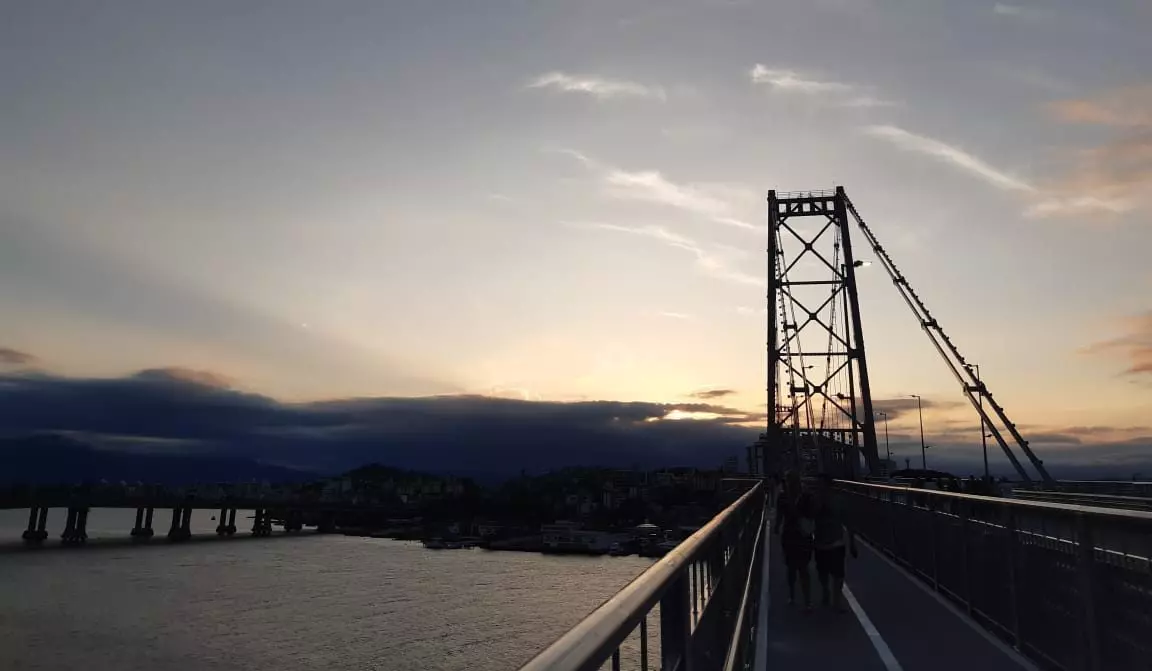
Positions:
(702, 596)
(1069, 586)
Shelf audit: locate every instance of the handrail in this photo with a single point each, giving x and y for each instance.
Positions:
(1066, 585)
(1034, 505)
(733, 657)
(587, 645)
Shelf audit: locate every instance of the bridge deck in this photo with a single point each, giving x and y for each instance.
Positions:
(908, 628)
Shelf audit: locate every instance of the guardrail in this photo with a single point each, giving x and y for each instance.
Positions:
(704, 595)
(1114, 487)
(1080, 499)
(1069, 586)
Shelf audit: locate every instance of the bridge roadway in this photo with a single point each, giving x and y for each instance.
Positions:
(895, 624)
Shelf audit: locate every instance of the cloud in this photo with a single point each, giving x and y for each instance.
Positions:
(601, 88)
(457, 433)
(1112, 178)
(675, 315)
(711, 263)
(950, 154)
(717, 202)
(1135, 345)
(1020, 12)
(12, 357)
(792, 81)
(1108, 180)
(785, 81)
(710, 394)
(179, 374)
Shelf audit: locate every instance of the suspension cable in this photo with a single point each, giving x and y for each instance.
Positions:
(974, 388)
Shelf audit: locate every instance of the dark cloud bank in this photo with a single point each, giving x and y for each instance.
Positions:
(175, 424)
(168, 415)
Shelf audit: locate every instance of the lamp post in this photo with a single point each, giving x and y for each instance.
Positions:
(923, 447)
(887, 448)
(983, 425)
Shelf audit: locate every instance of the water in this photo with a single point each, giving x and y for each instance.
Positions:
(304, 602)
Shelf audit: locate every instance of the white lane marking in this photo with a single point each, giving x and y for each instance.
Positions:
(1003, 647)
(760, 658)
(878, 642)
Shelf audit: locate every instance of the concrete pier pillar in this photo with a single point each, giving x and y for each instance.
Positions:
(262, 522)
(222, 522)
(81, 534)
(75, 527)
(231, 526)
(180, 530)
(143, 528)
(186, 523)
(69, 526)
(175, 526)
(42, 525)
(30, 533)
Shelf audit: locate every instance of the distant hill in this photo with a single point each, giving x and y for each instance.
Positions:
(53, 459)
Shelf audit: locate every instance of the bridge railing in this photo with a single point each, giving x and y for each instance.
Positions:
(702, 595)
(1069, 586)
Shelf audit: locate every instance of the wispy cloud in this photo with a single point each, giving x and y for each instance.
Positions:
(675, 315)
(790, 80)
(13, 357)
(1020, 12)
(840, 94)
(601, 88)
(1115, 177)
(1108, 180)
(710, 394)
(710, 262)
(719, 203)
(1135, 344)
(951, 155)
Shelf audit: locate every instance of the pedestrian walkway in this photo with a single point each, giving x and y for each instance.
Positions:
(895, 624)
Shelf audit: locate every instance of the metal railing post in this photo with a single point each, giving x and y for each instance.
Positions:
(1086, 561)
(930, 506)
(675, 628)
(891, 522)
(1013, 588)
(964, 559)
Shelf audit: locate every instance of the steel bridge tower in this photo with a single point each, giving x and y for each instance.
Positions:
(820, 401)
(820, 414)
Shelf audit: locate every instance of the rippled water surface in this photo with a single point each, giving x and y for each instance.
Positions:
(305, 602)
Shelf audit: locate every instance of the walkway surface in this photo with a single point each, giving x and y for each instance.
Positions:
(895, 624)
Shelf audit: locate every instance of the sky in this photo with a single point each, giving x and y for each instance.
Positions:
(563, 202)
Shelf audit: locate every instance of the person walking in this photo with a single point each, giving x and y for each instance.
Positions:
(831, 540)
(794, 525)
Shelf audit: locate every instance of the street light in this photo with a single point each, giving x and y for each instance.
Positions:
(887, 448)
(983, 425)
(923, 447)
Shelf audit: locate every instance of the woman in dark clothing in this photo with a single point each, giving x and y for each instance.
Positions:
(794, 526)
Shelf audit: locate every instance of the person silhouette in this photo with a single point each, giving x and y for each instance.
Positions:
(794, 525)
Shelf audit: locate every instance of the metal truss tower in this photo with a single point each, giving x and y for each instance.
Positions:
(820, 401)
(820, 415)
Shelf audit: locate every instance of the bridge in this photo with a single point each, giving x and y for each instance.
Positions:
(292, 510)
(1057, 577)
